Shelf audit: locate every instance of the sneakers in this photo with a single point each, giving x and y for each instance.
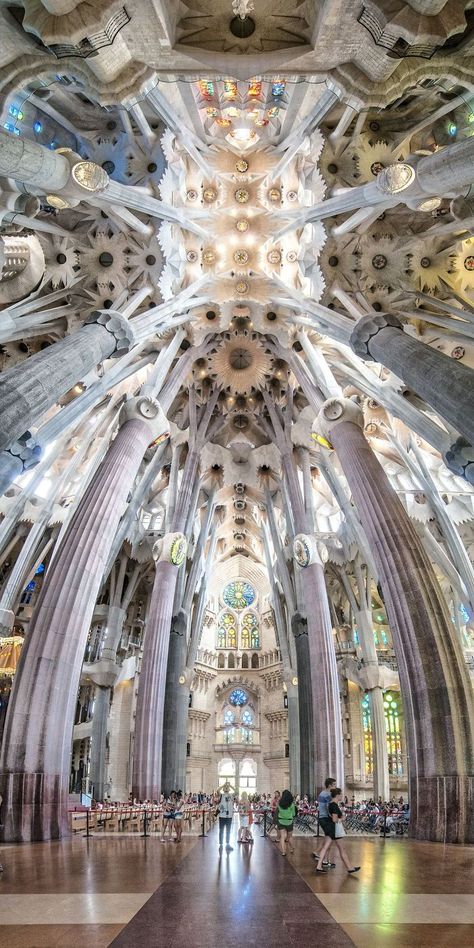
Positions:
(329, 865)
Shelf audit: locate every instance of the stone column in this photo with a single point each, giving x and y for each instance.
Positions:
(174, 728)
(33, 164)
(34, 764)
(104, 673)
(445, 384)
(29, 389)
(436, 691)
(147, 752)
(299, 627)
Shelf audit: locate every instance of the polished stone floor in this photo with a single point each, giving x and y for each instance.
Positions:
(129, 891)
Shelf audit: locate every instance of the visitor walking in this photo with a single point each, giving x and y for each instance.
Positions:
(286, 812)
(225, 810)
(336, 834)
(178, 816)
(325, 822)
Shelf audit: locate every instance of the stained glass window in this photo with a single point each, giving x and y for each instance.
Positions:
(206, 88)
(229, 735)
(238, 595)
(238, 697)
(392, 706)
(229, 716)
(368, 739)
(249, 633)
(247, 717)
(246, 736)
(278, 86)
(227, 631)
(255, 87)
(230, 89)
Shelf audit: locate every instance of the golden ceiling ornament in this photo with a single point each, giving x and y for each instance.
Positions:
(242, 225)
(54, 200)
(242, 165)
(241, 256)
(208, 257)
(209, 195)
(274, 256)
(274, 195)
(242, 287)
(90, 176)
(242, 195)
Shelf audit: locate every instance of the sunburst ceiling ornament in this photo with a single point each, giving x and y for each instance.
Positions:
(241, 364)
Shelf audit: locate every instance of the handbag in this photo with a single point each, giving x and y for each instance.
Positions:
(340, 831)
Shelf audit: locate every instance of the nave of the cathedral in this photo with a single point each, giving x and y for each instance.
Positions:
(236, 472)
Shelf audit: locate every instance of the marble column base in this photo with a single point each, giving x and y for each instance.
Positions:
(442, 809)
(34, 807)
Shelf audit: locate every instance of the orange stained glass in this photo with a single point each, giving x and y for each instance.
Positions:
(230, 89)
(255, 87)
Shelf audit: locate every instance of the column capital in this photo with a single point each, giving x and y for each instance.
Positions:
(333, 412)
(307, 550)
(459, 459)
(25, 451)
(118, 326)
(172, 548)
(368, 326)
(148, 409)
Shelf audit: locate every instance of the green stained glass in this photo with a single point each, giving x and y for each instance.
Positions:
(392, 707)
(368, 737)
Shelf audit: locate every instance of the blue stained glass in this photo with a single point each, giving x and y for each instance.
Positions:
(465, 613)
(31, 585)
(247, 717)
(238, 697)
(37, 127)
(278, 87)
(238, 595)
(39, 569)
(229, 717)
(11, 128)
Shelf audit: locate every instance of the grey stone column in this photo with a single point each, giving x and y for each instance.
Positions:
(29, 389)
(299, 627)
(436, 691)
(445, 384)
(174, 729)
(35, 758)
(33, 164)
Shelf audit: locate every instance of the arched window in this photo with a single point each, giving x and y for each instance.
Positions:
(221, 661)
(229, 716)
(249, 632)
(229, 735)
(227, 631)
(392, 706)
(247, 717)
(226, 771)
(255, 660)
(231, 660)
(245, 660)
(368, 739)
(246, 735)
(248, 776)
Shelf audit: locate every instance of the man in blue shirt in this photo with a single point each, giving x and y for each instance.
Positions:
(325, 821)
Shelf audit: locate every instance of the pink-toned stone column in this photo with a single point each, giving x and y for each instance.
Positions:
(35, 759)
(435, 687)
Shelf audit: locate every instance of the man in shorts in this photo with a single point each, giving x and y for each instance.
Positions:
(325, 821)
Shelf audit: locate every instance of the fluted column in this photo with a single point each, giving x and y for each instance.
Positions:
(107, 678)
(32, 163)
(445, 384)
(34, 764)
(29, 389)
(379, 743)
(147, 751)
(436, 691)
(327, 722)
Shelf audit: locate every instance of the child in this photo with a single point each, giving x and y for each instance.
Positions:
(246, 819)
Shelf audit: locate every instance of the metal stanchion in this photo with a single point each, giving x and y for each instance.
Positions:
(203, 828)
(384, 824)
(145, 835)
(264, 823)
(87, 834)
